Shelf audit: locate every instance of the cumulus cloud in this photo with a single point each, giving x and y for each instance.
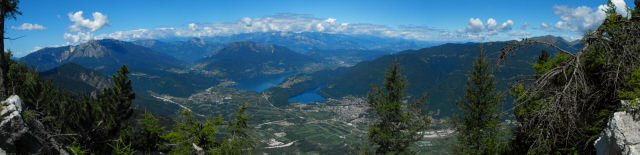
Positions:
(81, 24)
(30, 51)
(569, 38)
(545, 26)
(29, 26)
(277, 23)
(474, 26)
(524, 26)
(492, 25)
(78, 38)
(582, 19)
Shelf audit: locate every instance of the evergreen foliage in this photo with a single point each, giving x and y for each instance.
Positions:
(396, 125)
(574, 94)
(238, 137)
(190, 132)
(148, 138)
(478, 127)
(100, 125)
(8, 10)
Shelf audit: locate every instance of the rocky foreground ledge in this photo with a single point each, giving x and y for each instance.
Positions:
(17, 138)
(621, 135)
(12, 126)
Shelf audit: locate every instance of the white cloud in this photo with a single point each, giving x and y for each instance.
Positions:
(475, 25)
(492, 28)
(521, 33)
(278, 23)
(78, 38)
(569, 38)
(524, 26)
(492, 25)
(582, 19)
(506, 26)
(81, 24)
(193, 26)
(545, 26)
(30, 51)
(29, 26)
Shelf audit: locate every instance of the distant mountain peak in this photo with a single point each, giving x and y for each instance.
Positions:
(550, 39)
(253, 46)
(198, 41)
(250, 59)
(92, 49)
(96, 54)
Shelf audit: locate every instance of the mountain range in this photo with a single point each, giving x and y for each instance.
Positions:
(103, 55)
(249, 59)
(187, 51)
(438, 70)
(196, 75)
(302, 42)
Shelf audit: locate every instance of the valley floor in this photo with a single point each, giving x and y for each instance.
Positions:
(317, 127)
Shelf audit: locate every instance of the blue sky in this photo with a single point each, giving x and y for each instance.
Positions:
(71, 22)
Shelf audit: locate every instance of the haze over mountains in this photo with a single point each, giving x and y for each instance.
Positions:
(182, 68)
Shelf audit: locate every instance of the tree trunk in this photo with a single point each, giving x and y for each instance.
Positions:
(3, 64)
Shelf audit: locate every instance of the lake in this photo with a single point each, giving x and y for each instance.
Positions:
(261, 83)
(265, 82)
(308, 96)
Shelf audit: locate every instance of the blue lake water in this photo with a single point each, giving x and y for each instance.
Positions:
(308, 96)
(261, 83)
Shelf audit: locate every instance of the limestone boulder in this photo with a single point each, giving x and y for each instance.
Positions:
(12, 126)
(621, 135)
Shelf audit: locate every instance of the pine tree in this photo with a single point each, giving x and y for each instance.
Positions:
(190, 132)
(124, 95)
(396, 125)
(148, 138)
(239, 137)
(110, 114)
(564, 109)
(8, 10)
(478, 128)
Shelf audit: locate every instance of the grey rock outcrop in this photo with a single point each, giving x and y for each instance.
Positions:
(18, 138)
(12, 126)
(621, 135)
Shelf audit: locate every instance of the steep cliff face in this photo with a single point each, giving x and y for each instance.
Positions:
(621, 136)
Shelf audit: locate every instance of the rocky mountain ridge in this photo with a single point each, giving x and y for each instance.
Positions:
(99, 54)
(250, 59)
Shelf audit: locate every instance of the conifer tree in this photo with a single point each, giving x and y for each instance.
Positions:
(124, 95)
(478, 127)
(239, 137)
(148, 138)
(396, 125)
(8, 10)
(564, 109)
(190, 132)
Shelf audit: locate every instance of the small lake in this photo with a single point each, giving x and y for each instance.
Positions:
(265, 82)
(308, 96)
(261, 83)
